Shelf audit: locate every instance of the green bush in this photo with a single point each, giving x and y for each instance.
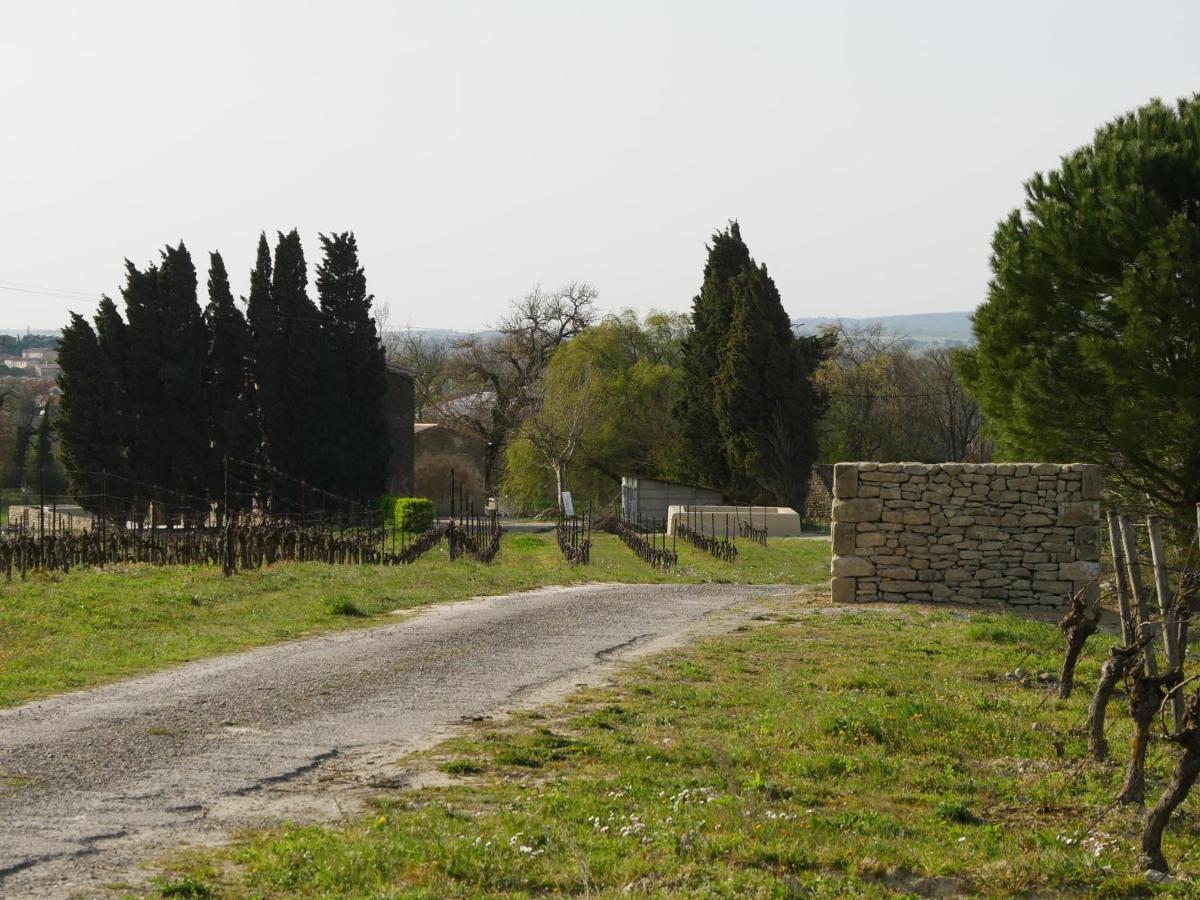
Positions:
(386, 507)
(413, 514)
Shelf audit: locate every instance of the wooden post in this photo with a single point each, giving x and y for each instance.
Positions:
(1166, 606)
(1129, 539)
(1114, 541)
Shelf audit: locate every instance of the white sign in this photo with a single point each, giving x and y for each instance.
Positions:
(568, 506)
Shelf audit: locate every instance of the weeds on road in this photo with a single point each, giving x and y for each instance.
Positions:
(865, 754)
(62, 632)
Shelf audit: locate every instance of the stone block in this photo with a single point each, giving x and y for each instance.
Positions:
(985, 533)
(902, 587)
(844, 590)
(851, 567)
(845, 480)
(1091, 482)
(869, 540)
(844, 538)
(1086, 512)
(859, 509)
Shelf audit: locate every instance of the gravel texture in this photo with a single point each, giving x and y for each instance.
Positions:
(93, 782)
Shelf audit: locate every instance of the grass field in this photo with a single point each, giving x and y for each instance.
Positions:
(64, 632)
(865, 754)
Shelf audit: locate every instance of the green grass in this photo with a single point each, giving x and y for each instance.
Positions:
(64, 632)
(871, 754)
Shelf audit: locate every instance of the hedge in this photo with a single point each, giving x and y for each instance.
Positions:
(412, 514)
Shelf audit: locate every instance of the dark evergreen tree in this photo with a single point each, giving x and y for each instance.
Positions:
(712, 312)
(263, 320)
(50, 477)
(113, 335)
(355, 373)
(1089, 342)
(148, 448)
(764, 400)
(90, 439)
(164, 380)
(295, 401)
(232, 414)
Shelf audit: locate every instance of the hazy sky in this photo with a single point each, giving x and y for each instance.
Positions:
(868, 149)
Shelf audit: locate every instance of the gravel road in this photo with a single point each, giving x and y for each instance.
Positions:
(92, 783)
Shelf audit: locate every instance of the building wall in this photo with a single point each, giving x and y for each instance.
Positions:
(398, 404)
(1024, 534)
(819, 505)
(438, 450)
(648, 499)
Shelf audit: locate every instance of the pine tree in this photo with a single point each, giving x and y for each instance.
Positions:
(232, 414)
(712, 312)
(1088, 347)
(356, 372)
(88, 432)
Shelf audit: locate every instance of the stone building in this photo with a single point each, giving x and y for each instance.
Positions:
(398, 406)
(439, 449)
(818, 507)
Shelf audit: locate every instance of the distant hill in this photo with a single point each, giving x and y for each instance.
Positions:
(920, 328)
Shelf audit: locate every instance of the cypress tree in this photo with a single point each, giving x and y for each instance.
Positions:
(356, 372)
(295, 399)
(89, 435)
(113, 336)
(184, 342)
(149, 448)
(232, 415)
(712, 313)
(44, 464)
(764, 401)
(165, 359)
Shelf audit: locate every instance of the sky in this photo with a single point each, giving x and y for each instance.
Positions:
(477, 149)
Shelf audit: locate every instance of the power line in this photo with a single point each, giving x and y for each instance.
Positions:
(41, 290)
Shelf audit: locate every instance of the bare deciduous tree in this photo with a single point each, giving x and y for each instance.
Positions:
(496, 376)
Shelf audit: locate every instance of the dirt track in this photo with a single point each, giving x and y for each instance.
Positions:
(91, 783)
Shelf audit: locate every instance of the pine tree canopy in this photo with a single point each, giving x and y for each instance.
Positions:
(1089, 342)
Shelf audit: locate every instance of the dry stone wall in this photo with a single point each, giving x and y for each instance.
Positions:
(1023, 534)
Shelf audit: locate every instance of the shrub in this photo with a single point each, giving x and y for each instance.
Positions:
(413, 514)
(386, 507)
